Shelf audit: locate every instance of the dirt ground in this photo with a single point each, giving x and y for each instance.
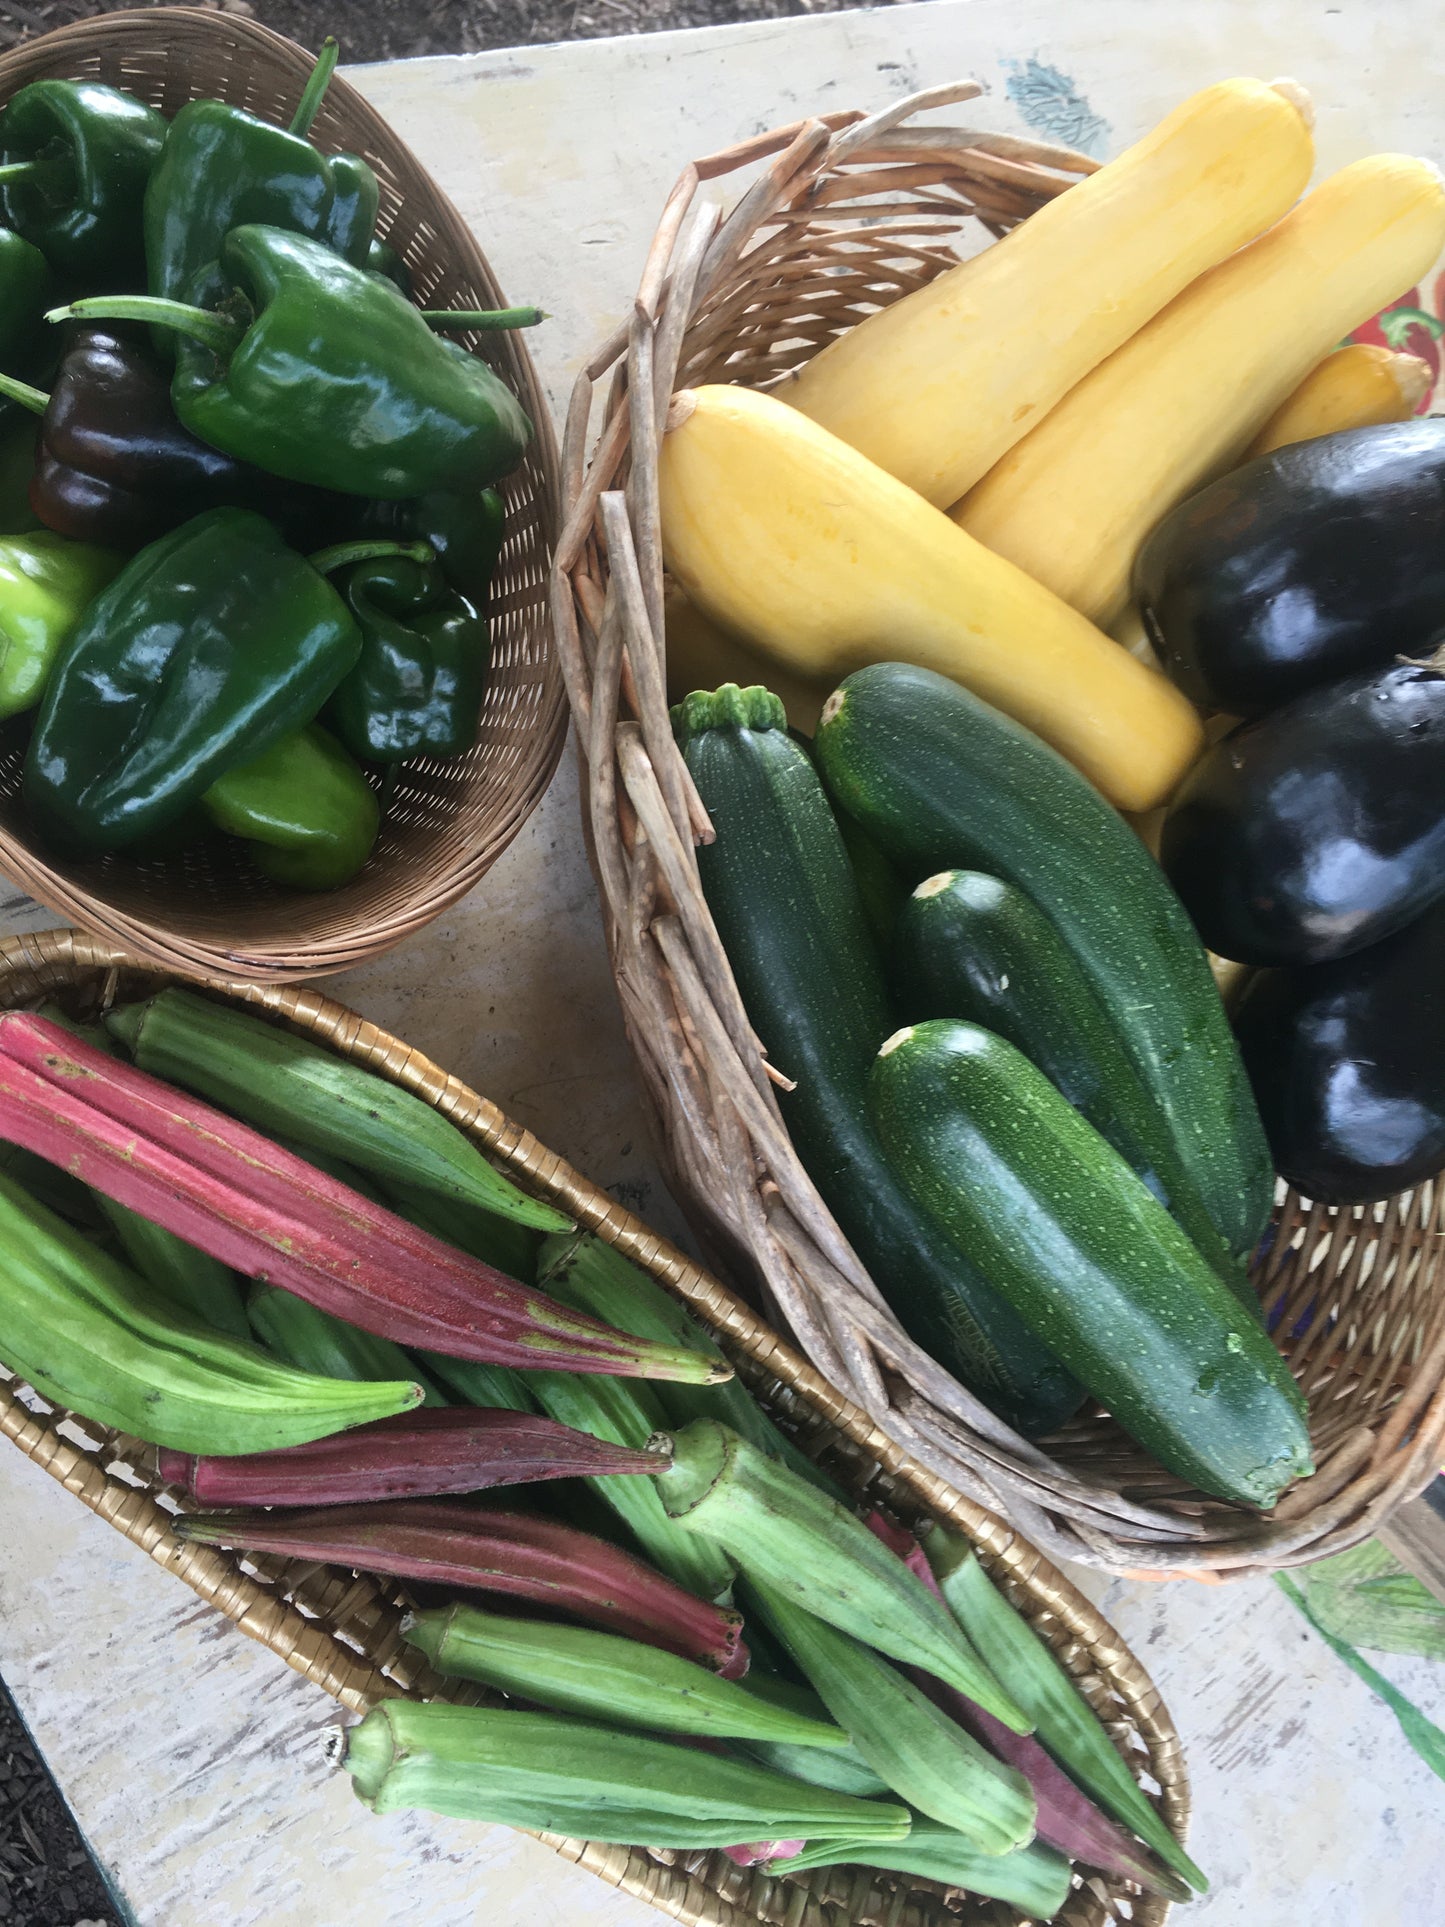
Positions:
(386, 30)
(47, 1879)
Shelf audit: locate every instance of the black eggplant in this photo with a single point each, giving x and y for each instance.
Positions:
(1322, 559)
(1320, 828)
(1347, 1060)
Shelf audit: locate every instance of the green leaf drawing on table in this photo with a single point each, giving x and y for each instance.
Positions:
(1422, 1733)
(1396, 323)
(1366, 1598)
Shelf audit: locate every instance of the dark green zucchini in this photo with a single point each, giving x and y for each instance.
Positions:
(973, 946)
(787, 908)
(1089, 1257)
(941, 779)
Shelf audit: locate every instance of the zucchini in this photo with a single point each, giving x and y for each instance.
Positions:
(973, 946)
(1090, 1258)
(939, 778)
(787, 908)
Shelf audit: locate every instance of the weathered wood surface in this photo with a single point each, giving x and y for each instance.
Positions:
(189, 1754)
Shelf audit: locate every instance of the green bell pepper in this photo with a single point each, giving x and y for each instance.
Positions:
(46, 585)
(209, 646)
(222, 168)
(17, 466)
(304, 808)
(75, 157)
(325, 373)
(417, 689)
(25, 280)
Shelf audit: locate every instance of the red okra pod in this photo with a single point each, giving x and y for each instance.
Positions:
(266, 1212)
(492, 1549)
(1067, 1819)
(424, 1454)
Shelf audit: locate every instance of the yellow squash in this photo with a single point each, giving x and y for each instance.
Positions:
(1358, 386)
(702, 656)
(783, 534)
(940, 385)
(1181, 402)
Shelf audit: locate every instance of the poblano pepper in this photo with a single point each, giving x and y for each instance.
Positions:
(303, 807)
(75, 157)
(46, 586)
(25, 282)
(417, 688)
(325, 373)
(209, 646)
(223, 168)
(114, 465)
(465, 530)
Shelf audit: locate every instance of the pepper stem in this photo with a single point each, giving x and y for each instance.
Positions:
(18, 170)
(35, 399)
(483, 319)
(215, 331)
(309, 105)
(342, 554)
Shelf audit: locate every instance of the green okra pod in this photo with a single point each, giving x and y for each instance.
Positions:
(628, 1414)
(587, 1273)
(502, 1242)
(470, 1381)
(92, 1336)
(564, 1775)
(1064, 1721)
(601, 1676)
(843, 1769)
(314, 1340)
(927, 1758)
(290, 1087)
(779, 1528)
(1034, 1879)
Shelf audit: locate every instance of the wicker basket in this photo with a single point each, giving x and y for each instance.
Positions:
(845, 216)
(446, 822)
(341, 1631)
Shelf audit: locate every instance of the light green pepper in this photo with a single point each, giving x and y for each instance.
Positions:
(46, 584)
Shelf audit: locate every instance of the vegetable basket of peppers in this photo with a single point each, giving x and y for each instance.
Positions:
(240, 250)
(349, 1631)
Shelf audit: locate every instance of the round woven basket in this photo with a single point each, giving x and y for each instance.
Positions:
(342, 1630)
(835, 217)
(446, 822)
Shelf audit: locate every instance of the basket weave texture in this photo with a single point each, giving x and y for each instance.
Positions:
(341, 1631)
(835, 217)
(446, 821)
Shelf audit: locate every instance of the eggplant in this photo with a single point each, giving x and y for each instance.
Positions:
(1318, 561)
(1318, 829)
(1347, 1061)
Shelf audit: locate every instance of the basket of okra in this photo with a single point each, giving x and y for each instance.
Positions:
(796, 1680)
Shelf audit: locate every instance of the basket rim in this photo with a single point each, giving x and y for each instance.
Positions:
(40, 962)
(703, 1069)
(291, 956)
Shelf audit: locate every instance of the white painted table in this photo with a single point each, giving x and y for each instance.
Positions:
(191, 1755)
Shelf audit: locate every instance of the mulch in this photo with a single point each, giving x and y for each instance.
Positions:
(47, 1878)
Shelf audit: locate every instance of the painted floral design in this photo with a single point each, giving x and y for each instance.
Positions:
(1414, 325)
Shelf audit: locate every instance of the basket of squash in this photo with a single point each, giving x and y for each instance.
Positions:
(961, 495)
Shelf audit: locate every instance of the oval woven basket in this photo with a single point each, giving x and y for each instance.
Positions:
(342, 1631)
(446, 821)
(832, 218)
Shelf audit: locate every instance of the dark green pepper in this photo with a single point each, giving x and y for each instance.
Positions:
(17, 467)
(417, 689)
(25, 282)
(209, 646)
(304, 808)
(465, 530)
(384, 260)
(46, 585)
(75, 157)
(222, 168)
(325, 373)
